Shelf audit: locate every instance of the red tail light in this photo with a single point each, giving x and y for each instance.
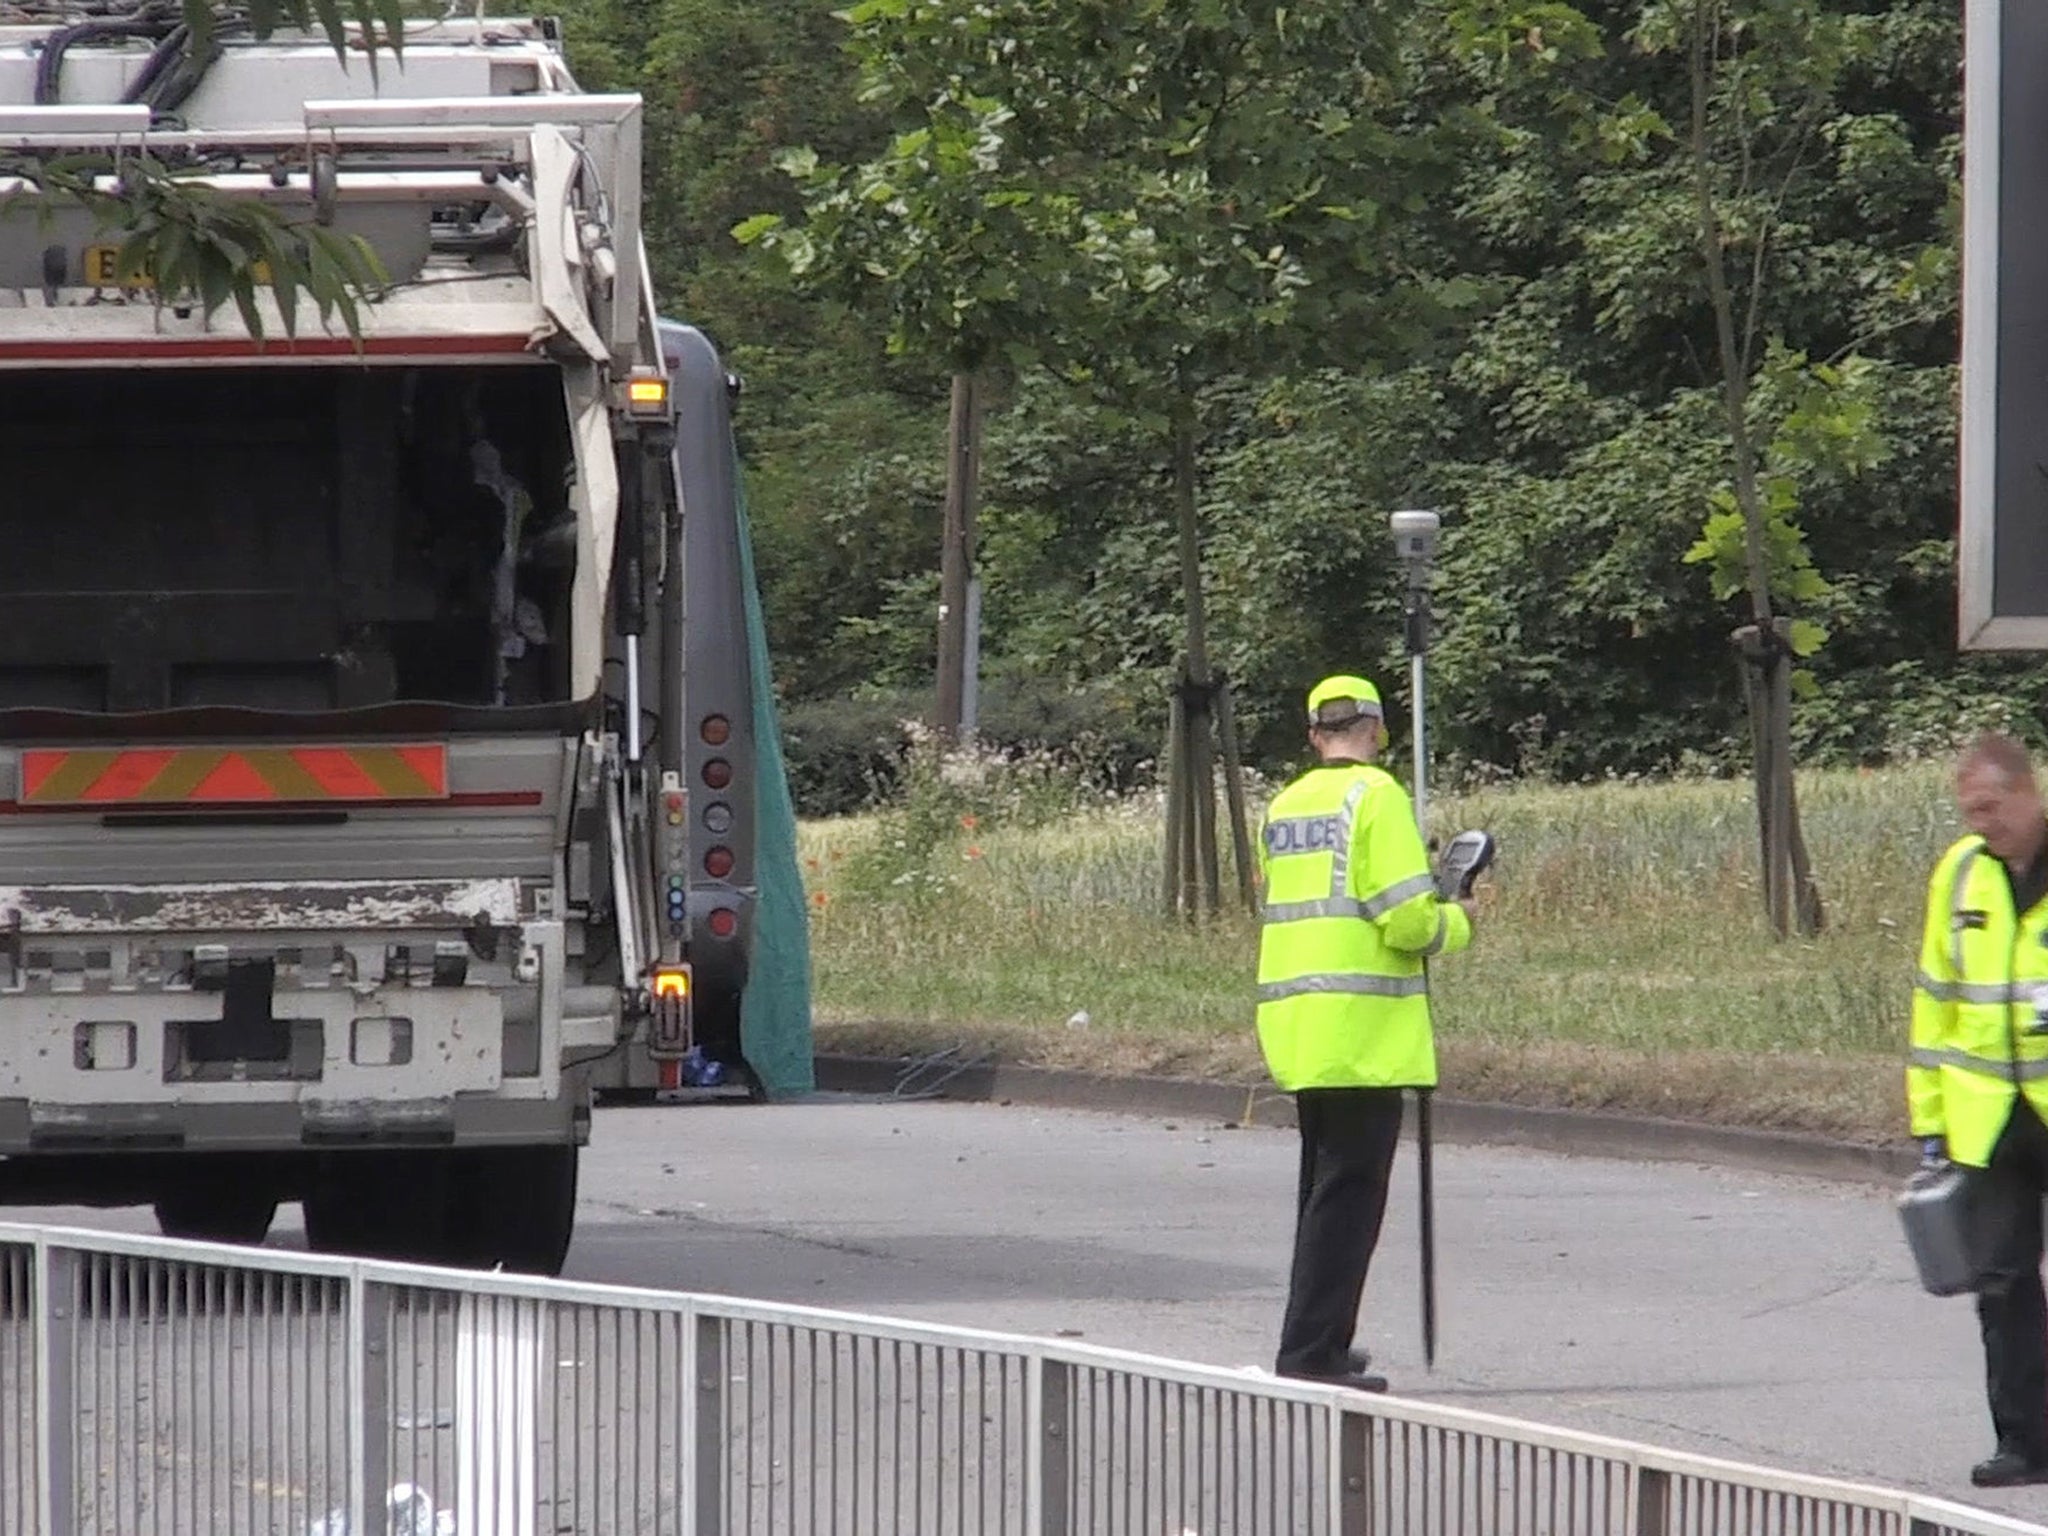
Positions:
(724, 922)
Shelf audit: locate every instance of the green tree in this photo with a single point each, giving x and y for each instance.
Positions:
(960, 252)
(1164, 199)
(1723, 128)
(1566, 410)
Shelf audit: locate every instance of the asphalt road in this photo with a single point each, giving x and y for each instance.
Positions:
(1770, 1320)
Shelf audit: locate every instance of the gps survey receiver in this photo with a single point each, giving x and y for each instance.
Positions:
(1462, 863)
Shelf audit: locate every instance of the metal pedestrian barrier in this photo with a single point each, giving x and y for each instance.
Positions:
(151, 1387)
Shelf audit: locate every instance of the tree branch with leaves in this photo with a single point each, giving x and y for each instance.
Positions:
(378, 22)
(185, 243)
(188, 245)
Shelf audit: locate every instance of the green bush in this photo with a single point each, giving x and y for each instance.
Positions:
(1107, 736)
(843, 754)
(848, 755)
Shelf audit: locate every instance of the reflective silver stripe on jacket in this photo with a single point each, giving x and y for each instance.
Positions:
(1992, 992)
(1347, 820)
(1340, 902)
(1984, 1066)
(1343, 982)
(1301, 911)
(1443, 932)
(1371, 907)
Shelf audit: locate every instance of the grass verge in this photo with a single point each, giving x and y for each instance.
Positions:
(1623, 962)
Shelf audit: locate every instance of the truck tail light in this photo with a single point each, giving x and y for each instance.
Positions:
(670, 1025)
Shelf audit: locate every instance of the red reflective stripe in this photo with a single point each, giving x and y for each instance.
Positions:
(54, 777)
(236, 779)
(339, 774)
(129, 776)
(498, 798)
(481, 800)
(36, 767)
(430, 763)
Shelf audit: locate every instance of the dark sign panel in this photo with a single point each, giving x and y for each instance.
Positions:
(2003, 597)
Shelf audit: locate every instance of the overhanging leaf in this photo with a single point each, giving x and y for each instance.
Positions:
(382, 22)
(189, 244)
(1806, 637)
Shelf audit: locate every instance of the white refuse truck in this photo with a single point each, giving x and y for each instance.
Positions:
(376, 761)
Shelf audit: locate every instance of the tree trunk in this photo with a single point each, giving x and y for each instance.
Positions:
(1176, 805)
(1788, 886)
(1199, 736)
(956, 547)
(1807, 914)
(1791, 896)
(1233, 789)
(1756, 700)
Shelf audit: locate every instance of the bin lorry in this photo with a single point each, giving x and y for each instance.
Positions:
(376, 759)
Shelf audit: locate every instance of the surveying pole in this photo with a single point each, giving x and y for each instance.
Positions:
(1415, 539)
(1415, 536)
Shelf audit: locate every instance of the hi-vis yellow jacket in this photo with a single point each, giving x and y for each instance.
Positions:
(1351, 910)
(1977, 1005)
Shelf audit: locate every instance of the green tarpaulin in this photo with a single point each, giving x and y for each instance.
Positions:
(775, 1013)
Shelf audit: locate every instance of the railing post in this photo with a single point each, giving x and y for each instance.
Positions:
(56, 1352)
(704, 1370)
(497, 1398)
(1653, 1502)
(369, 1393)
(1354, 1473)
(1049, 1447)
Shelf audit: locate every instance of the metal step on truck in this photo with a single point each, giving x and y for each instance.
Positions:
(376, 758)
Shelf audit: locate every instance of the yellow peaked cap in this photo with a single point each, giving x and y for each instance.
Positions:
(1356, 690)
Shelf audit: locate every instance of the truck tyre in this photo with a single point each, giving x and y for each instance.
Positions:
(469, 1208)
(383, 1206)
(336, 1221)
(216, 1215)
(517, 1208)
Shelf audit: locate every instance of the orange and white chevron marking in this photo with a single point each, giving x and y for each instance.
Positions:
(93, 776)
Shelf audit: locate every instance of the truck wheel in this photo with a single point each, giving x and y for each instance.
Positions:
(476, 1208)
(518, 1208)
(335, 1221)
(381, 1206)
(216, 1215)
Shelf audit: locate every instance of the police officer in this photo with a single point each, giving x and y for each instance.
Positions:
(1977, 1085)
(1351, 910)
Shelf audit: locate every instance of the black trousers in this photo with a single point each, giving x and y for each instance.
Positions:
(1348, 1137)
(2011, 1309)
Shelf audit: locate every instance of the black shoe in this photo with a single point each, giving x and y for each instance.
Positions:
(1342, 1376)
(1352, 1362)
(1357, 1381)
(2010, 1468)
